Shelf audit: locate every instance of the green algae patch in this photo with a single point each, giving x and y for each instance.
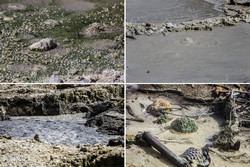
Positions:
(184, 125)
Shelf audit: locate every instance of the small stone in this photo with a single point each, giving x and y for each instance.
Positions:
(36, 138)
(169, 25)
(159, 105)
(54, 79)
(51, 22)
(8, 18)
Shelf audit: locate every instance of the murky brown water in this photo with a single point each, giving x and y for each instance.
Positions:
(160, 11)
(202, 56)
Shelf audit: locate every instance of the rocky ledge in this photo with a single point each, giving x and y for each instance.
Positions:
(102, 105)
(16, 152)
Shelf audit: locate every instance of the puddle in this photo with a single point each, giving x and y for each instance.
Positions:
(54, 129)
(161, 11)
(194, 56)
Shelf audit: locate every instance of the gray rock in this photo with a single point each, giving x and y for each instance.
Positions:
(169, 25)
(54, 79)
(43, 45)
(51, 22)
(110, 122)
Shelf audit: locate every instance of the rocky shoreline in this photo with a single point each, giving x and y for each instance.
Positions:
(16, 152)
(235, 11)
(101, 108)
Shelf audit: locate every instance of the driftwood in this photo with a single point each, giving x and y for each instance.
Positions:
(152, 140)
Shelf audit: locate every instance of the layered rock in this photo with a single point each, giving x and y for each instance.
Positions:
(24, 100)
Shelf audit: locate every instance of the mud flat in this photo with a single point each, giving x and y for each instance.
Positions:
(75, 120)
(221, 55)
(140, 97)
(158, 11)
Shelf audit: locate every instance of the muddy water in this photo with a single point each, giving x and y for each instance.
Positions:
(160, 11)
(54, 129)
(203, 56)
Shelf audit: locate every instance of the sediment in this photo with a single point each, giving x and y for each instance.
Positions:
(234, 13)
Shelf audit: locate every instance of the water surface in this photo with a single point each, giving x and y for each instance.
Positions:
(221, 55)
(160, 11)
(54, 129)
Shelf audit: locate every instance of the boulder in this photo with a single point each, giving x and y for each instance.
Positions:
(43, 45)
(110, 122)
(54, 79)
(51, 22)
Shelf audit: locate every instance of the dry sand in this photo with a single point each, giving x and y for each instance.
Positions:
(177, 142)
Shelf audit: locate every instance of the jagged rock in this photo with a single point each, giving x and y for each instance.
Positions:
(43, 45)
(116, 142)
(3, 115)
(94, 29)
(240, 2)
(51, 22)
(111, 122)
(99, 108)
(46, 154)
(56, 99)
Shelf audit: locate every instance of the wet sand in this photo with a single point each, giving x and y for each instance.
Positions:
(221, 55)
(161, 11)
(178, 142)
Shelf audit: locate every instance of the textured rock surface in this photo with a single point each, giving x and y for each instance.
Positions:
(22, 100)
(32, 153)
(43, 45)
(110, 122)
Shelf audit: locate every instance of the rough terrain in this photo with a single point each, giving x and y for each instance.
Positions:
(61, 119)
(192, 101)
(15, 152)
(78, 30)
